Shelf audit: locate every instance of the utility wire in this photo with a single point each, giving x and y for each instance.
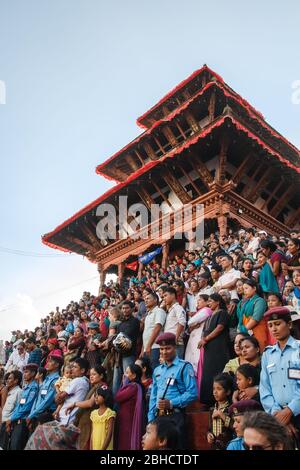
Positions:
(31, 253)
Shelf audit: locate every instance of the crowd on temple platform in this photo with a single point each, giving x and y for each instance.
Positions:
(219, 325)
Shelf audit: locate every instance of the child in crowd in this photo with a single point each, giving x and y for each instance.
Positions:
(103, 420)
(246, 376)
(220, 432)
(161, 434)
(61, 385)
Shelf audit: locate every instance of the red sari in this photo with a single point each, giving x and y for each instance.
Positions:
(130, 418)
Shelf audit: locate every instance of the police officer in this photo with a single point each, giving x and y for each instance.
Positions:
(16, 426)
(44, 405)
(280, 371)
(174, 385)
(237, 411)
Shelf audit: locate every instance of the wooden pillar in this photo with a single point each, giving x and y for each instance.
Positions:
(165, 253)
(121, 267)
(222, 224)
(102, 275)
(140, 270)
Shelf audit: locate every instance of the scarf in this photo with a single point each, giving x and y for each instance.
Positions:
(267, 279)
(245, 308)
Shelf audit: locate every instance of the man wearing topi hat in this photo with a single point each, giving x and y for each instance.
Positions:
(279, 387)
(236, 411)
(174, 385)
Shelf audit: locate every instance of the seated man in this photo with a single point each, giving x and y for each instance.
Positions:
(76, 391)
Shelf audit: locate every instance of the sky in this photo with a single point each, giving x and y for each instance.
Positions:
(77, 74)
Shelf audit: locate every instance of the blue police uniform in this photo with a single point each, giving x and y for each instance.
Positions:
(182, 388)
(45, 399)
(28, 396)
(280, 377)
(236, 444)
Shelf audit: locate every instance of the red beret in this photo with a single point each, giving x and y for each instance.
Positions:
(242, 406)
(166, 338)
(53, 341)
(277, 313)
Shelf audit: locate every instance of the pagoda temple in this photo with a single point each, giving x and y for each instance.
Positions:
(202, 143)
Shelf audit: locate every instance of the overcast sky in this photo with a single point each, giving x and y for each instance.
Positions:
(77, 74)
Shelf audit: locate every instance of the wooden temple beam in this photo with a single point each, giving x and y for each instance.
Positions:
(131, 162)
(254, 192)
(167, 131)
(91, 235)
(221, 170)
(282, 201)
(161, 194)
(293, 218)
(191, 121)
(176, 186)
(212, 106)
(139, 156)
(159, 145)
(79, 242)
(149, 151)
(240, 172)
(202, 171)
(188, 177)
(145, 197)
(268, 200)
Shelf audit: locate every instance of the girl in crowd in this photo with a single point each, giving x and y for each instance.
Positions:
(195, 325)
(296, 294)
(130, 419)
(161, 434)
(250, 311)
(262, 431)
(145, 365)
(181, 294)
(247, 271)
(103, 420)
(246, 376)
(294, 260)
(240, 288)
(220, 429)
(215, 342)
(250, 351)
(233, 364)
(84, 321)
(82, 420)
(266, 277)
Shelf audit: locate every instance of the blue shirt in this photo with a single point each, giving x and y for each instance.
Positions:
(276, 389)
(70, 328)
(236, 444)
(45, 399)
(182, 389)
(35, 356)
(28, 395)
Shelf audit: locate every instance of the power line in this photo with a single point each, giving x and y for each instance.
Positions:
(9, 307)
(32, 254)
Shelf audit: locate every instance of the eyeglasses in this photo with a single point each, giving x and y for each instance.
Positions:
(256, 447)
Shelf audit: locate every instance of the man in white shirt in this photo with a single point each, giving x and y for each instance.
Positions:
(192, 297)
(205, 288)
(176, 319)
(228, 278)
(253, 242)
(76, 391)
(154, 322)
(18, 358)
(13, 385)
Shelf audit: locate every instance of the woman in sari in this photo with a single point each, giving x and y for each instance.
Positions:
(215, 342)
(193, 354)
(131, 415)
(250, 311)
(266, 277)
(82, 420)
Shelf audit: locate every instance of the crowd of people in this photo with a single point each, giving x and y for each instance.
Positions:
(219, 325)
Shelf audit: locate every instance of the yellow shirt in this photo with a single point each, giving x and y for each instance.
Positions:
(100, 428)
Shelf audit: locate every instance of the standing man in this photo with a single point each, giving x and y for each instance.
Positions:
(174, 385)
(18, 358)
(154, 322)
(44, 405)
(229, 277)
(35, 353)
(16, 425)
(176, 319)
(130, 326)
(279, 387)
